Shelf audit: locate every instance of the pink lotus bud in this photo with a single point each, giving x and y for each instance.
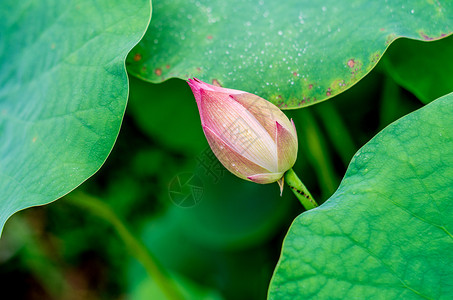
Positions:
(250, 136)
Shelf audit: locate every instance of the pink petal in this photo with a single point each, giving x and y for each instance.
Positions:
(266, 177)
(265, 112)
(229, 120)
(286, 147)
(195, 89)
(230, 159)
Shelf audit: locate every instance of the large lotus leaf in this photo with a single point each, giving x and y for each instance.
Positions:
(386, 233)
(425, 69)
(63, 92)
(293, 53)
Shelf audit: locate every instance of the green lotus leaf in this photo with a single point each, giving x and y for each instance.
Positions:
(386, 233)
(63, 93)
(294, 53)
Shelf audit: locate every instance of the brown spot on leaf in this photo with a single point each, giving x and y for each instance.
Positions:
(216, 83)
(295, 74)
(329, 92)
(351, 63)
(356, 70)
(374, 58)
(34, 139)
(158, 71)
(390, 38)
(382, 29)
(338, 85)
(137, 56)
(167, 66)
(310, 86)
(199, 69)
(425, 37)
(52, 46)
(209, 37)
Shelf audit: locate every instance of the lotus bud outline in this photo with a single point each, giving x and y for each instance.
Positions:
(250, 136)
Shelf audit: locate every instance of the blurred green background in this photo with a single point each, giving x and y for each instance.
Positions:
(224, 247)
